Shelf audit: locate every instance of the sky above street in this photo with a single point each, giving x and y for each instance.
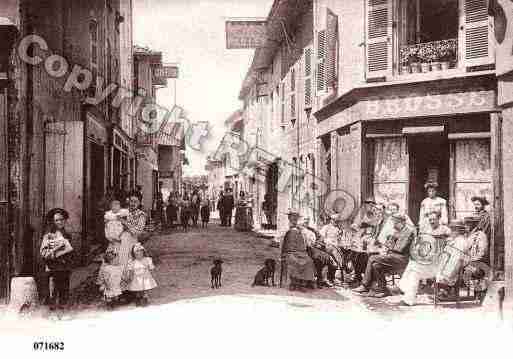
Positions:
(191, 33)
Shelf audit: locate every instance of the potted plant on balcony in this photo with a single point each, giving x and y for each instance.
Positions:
(447, 53)
(413, 60)
(426, 56)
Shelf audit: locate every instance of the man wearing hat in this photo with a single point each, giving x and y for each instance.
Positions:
(317, 251)
(480, 203)
(477, 261)
(300, 266)
(468, 249)
(337, 237)
(432, 203)
(393, 259)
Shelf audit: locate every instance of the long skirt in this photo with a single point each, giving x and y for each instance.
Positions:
(123, 249)
(300, 266)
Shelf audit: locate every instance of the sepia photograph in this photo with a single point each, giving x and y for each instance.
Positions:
(256, 178)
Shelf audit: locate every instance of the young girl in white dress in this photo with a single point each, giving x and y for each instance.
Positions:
(138, 275)
(109, 279)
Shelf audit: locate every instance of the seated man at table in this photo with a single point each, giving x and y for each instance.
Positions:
(394, 259)
(424, 257)
(317, 251)
(337, 237)
(468, 252)
(293, 252)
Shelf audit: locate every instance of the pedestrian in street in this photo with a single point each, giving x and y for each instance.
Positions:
(220, 208)
(205, 213)
(56, 252)
(185, 212)
(195, 208)
(228, 203)
(172, 212)
(138, 275)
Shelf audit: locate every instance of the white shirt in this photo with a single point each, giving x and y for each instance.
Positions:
(330, 234)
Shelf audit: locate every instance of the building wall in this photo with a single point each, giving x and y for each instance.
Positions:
(126, 59)
(506, 100)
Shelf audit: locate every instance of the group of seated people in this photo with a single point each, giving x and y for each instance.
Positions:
(381, 241)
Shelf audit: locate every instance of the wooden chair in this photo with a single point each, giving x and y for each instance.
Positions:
(471, 295)
(392, 278)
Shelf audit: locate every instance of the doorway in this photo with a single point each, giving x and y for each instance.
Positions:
(96, 192)
(429, 160)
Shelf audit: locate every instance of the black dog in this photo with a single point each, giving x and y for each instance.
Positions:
(267, 272)
(215, 273)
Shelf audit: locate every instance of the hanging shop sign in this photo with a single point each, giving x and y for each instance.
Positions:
(245, 34)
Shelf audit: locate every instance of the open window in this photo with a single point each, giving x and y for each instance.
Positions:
(443, 34)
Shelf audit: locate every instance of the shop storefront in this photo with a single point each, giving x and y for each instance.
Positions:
(448, 132)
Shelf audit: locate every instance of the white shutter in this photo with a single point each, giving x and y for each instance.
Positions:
(282, 101)
(321, 61)
(308, 77)
(378, 47)
(477, 36)
(332, 50)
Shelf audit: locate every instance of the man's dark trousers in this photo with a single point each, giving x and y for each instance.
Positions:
(380, 265)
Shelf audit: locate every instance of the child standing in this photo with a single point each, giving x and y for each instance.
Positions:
(205, 213)
(138, 275)
(113, 225)
(109, 279)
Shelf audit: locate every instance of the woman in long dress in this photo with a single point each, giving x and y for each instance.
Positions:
(133, 227)
(432, 203)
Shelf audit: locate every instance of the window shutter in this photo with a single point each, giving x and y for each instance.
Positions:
(292, 79)
(292, 106)
(321, 59)
(332, 51)
(282, 100)
(308, 77)
(378, 43)
(477, 35)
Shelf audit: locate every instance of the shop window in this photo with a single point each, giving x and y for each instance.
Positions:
(473, 174)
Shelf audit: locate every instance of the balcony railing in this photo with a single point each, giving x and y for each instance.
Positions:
(428, 56)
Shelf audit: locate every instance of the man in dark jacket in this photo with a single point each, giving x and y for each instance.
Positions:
(220, 208)
(228, 203)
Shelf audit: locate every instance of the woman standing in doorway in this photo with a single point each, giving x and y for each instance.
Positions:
(56, 254)
(432, 203)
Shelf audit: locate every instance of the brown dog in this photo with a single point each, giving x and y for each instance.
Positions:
(215, 273)
(266, 273)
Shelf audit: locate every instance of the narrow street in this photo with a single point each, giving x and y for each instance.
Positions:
(184, 262)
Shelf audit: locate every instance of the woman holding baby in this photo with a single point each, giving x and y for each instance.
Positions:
(123, 227)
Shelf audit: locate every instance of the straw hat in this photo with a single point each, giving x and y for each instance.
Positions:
(293, 211)
(481, 199)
